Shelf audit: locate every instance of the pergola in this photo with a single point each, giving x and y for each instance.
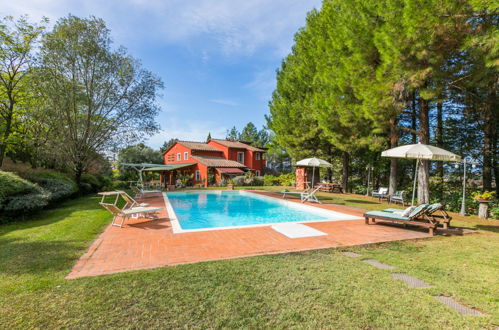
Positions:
(145, 167)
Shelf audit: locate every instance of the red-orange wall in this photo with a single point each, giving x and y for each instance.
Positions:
(227, 153)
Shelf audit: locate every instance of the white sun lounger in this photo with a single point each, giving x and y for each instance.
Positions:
(147, 212)
(310, 196)
(305, 196)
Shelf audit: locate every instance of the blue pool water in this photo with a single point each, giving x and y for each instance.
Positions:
(213, 209)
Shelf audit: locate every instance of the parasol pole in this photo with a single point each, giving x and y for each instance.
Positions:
(415, 178)
(313, 175)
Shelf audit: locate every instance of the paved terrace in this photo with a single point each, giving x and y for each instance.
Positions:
(143, 244)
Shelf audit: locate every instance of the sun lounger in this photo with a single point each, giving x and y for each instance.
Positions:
(412, 219)
(292, 193)
(147, 212)
(434, 211)
(130, 202)
(305, 196)
(309, 196)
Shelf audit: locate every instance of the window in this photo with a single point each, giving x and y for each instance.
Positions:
(240, 157)
(170, 157)
(186, 155)
(198, 175)
(257, 173)
(179, 156)
(257, 156)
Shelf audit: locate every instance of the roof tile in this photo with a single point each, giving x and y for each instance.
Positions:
(237, 144)
(213, 161)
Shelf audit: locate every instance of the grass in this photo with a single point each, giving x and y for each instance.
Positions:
(320, 289)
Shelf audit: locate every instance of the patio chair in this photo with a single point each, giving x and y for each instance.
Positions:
(147, 212)
(397, 197)
(381, 193)
(413, 218)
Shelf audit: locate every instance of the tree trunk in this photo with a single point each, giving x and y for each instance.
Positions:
(440, 137)
(346, 170)
(6, 134)
(392, 187)
(424, 168)
(490, 114)
(487, 155)
(414, 125)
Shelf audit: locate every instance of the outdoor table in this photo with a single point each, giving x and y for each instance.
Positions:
(331, 187)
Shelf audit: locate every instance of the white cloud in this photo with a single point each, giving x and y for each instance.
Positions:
(237, 26)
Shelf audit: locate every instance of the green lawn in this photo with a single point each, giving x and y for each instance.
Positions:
(309, 289)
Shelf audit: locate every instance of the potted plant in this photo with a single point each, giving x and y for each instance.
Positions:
(484, 199)
(230, 184)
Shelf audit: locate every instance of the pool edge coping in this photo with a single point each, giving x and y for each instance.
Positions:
(177, 229)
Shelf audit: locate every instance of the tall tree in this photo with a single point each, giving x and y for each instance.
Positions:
(232, 134)
(249, 133)
(102, 97)
(18, 39)
(167, 144)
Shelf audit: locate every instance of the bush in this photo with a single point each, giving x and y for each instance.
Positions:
(287, 179)
(90, 183)
(494, 212)
(270, 180)
(239, 180)
(258, 181)
(18, 195)
(59, 185)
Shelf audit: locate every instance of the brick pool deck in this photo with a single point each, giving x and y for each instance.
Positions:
(143, 244)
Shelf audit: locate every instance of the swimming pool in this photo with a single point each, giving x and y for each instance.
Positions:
(208, 210)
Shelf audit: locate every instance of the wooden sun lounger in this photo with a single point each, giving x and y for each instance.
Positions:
(413, 219)
(435, 211)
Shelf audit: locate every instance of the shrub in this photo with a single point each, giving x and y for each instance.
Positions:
(494, 212)
(258, 181)
(57, 189)
(18, 195)
(287, 179)
(90, 183)
(239, 180)
(270, 180)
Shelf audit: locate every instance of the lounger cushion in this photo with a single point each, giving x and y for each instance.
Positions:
(386, 215)
(408, 211)
(418, 210)
(393, 210)
(434, 207)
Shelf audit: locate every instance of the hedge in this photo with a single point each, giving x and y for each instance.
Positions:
(18, 195)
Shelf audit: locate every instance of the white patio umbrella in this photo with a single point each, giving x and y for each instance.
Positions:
(313, 162)
(420, 152)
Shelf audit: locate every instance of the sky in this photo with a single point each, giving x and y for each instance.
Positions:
(217, 58)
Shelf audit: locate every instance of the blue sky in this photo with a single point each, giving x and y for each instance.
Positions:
(217, 58)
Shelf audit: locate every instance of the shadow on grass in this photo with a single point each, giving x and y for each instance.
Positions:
(361, 201)
(19, 257)
(494, 229)
(50, 216)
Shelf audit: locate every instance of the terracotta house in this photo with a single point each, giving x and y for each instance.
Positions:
(213, 160)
